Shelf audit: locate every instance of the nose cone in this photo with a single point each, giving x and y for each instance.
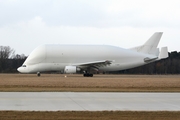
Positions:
(23, 69)
(20, 69)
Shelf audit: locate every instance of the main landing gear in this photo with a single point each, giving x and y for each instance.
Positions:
(88, 75)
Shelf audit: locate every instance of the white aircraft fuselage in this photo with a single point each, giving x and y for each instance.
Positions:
(74, 58)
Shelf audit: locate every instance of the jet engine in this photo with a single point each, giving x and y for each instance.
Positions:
(71, 69)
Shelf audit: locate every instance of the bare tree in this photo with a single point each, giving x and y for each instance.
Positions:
(17, 56)
(5, 53)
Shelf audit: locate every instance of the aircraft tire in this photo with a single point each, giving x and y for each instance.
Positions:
(38, 74)
(88, 75)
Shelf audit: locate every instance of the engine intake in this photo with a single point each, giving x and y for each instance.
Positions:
(71, 69)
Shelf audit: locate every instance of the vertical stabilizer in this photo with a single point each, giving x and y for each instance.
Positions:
(150, 46)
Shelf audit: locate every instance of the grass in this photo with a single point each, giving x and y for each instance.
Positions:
(87, 115)
(99, 83)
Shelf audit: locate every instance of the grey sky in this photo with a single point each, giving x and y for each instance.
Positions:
(26, 24)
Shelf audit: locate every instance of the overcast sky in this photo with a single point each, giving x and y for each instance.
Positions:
(26, 24)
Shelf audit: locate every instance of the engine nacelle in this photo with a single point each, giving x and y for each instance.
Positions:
(71, 69)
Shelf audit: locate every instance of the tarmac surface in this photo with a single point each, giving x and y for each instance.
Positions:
(89, 101)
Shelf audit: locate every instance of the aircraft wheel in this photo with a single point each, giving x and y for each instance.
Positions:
(38, 74)
(85, 75)
(88, 75)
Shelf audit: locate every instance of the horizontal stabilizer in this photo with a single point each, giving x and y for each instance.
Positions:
(147, 59)
(164, 53)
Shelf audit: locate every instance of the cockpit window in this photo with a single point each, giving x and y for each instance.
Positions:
(24, 66)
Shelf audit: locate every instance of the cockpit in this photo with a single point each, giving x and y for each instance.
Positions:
(23, 65)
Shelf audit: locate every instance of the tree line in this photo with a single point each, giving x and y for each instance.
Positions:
(9, 62)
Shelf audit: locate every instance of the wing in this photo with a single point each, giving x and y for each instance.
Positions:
(94, 64)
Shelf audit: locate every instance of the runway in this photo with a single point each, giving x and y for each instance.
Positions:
(89, 101)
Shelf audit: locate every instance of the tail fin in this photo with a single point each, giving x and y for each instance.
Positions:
(150, 46)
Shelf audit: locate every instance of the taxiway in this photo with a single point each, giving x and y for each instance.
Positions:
(89, 101)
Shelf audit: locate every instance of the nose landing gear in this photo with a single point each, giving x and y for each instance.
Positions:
(38, 74)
